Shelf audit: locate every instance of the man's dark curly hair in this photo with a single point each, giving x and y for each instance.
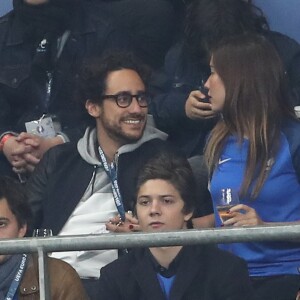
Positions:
(92, 80)
(94, 73)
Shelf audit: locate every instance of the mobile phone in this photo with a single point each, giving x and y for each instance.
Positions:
(204, 91)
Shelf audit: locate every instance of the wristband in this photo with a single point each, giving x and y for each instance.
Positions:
(4, 140)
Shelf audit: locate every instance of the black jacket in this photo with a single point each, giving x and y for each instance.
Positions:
(204, 273)
(23, 85)
(61, 178)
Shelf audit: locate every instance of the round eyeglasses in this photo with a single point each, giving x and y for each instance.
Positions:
(124, 99)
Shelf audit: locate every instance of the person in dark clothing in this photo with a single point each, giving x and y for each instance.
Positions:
(179, 107)
(165, 200)
(43, 44)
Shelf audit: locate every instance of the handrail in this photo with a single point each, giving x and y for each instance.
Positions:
(141, 239)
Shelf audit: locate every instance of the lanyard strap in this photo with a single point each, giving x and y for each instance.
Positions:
(16, 282)
(111, 171)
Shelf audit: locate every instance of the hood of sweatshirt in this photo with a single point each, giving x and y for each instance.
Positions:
(88, 145)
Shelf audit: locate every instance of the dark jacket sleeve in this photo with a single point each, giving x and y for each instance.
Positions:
(183, 74)
(107, 287)
(5, 124)
(204, 202)
(5, 109)
(232, 289)
(230, 276)
(168, 106)
(291, 130)
(289, 52)
(36, 189)
(36, 186)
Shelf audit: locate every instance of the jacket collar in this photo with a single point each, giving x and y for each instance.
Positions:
(187, 271)
(88, 149)
(30, 283)
(146, 277)
(150, 133)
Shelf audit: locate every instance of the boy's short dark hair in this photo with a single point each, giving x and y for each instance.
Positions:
(174, 168)
(17, 200)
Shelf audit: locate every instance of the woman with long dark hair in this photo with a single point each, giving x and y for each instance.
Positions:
(255, 150)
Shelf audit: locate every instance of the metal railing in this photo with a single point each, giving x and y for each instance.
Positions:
(141, 239)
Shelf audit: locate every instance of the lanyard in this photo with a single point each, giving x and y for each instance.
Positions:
(112, 174)
(16, 282)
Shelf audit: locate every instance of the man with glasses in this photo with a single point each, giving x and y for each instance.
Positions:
(77, 189)
(43, 44)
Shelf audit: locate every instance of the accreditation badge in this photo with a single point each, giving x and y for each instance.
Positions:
(42, 127)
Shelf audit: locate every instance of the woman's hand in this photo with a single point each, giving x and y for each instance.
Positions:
(243, 215)
(195, 109)
(131, 223)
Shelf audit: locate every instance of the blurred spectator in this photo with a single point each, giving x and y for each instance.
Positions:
(19, 276)
(43, 44)
(42, 47)
(255, 149)
(151, 26)
(181, 110)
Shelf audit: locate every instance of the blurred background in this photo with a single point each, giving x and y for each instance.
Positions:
(283, 16)
(5, 6)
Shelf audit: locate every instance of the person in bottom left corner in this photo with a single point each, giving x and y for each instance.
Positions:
(15, 215)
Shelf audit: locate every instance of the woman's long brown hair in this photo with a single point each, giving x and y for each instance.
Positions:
(255, 87)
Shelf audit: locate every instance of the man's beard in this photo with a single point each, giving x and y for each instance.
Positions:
(116, 133)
